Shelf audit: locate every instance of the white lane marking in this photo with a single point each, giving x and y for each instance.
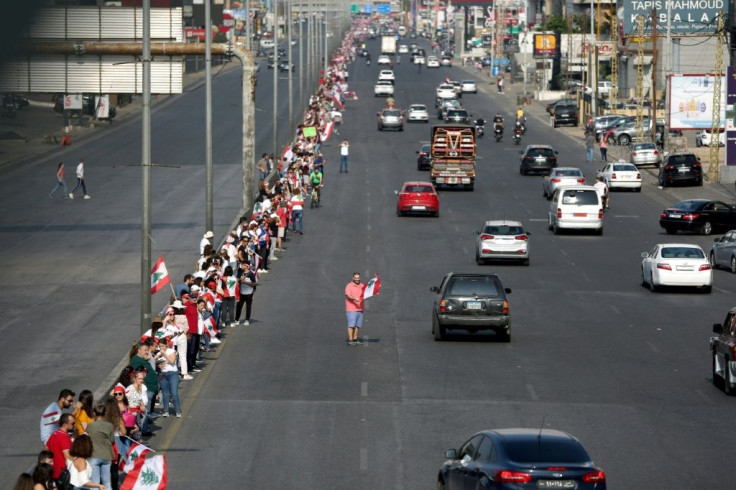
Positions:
(722, 290)
(585, 276)
(456, 228)
(562, 251)
(363, 459)
(703, 396)
(368, 209)
(654, 348)
(465, 251)
(537, 219)
(368, 227)
(532, 392)
(615, 310)
(632, 216)
(364, 385)
(367, 248)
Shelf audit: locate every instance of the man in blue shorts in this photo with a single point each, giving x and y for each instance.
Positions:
(354, 309)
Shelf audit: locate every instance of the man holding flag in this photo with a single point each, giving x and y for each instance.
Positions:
(355, 293)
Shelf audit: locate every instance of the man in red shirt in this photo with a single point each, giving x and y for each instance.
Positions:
(60, 442)
(354, 309)
(193, 336)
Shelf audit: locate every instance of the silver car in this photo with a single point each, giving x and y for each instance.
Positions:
(417, 112)
(469, 87)
(502, 239)
(723, 252)
(390, 119)
(645, 154)
(559, 177)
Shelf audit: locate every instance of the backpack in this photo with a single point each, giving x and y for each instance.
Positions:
(64, 480)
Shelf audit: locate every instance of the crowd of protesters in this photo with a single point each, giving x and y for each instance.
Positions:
(83, 440)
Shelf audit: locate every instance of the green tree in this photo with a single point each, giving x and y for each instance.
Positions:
(556, 23)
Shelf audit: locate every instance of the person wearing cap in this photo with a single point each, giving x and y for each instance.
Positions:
(206, 240)
(247, 283)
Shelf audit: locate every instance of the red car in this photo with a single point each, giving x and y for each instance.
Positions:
(418, 197)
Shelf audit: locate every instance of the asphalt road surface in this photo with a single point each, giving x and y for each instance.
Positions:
(284, 403)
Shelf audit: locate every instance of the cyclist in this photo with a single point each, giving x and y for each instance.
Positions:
(602, 189)
(315, 178)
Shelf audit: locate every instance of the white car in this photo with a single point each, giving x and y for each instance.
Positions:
(384, 60)
(502, 239)
(417, 112)
(576, 207)
(446, 91)
(703, 138)
(621, 175)
(676, 264)
(560, 176)
(386, 75)
(433, 62)
(383, 88)
(403, 49)
(419, 60)
(469, 87)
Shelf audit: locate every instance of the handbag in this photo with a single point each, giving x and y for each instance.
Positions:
(64, 480)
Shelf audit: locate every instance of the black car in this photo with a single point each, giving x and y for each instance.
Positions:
(471, 302)
(537, 158)
(457, 116)
(680, 168)
(513, 459)
(424, 158)
(565, 114)
(699, 215)
(551, 106)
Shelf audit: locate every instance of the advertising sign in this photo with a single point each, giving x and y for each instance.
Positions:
(73, 102)
(691, 102)
(686, 16)
(731, 117)
(545, 45)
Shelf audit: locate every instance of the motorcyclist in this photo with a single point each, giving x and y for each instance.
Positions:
(480, 122)
(390, 103)
(518, 127)
(519, 114)
(367, 58)
(498, 123)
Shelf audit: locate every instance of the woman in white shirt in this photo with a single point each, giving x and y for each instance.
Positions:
(79, 469)
(169, 379)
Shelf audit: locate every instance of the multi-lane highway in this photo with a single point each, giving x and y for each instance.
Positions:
(284, 403)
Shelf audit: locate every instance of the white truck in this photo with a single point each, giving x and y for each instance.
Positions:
(388, 45)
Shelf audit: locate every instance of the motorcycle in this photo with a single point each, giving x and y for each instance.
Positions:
(498, 134)
(480, 130)
(517, 135)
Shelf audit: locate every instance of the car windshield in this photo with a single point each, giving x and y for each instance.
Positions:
(503, 230)
(624, 168)
(580, 197)
(533, 450)
(568, 172)
(418, 188)
(472, 286)
(541, 152)
(682, 253)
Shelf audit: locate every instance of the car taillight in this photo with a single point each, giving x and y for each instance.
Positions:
(697, 165)
(600, 213)
(556, 181)
(690, 216)
(665, 267)
(443, 306)
(638, 176)
(508, 476)
(521, 237)
(581, 181)
(669, 167)
(633, 153)
(656, 152)
(704, 267)
(663, 215)
(505, 309)
(613, 176)
(559, 213)
(594, 477)
(487, 237)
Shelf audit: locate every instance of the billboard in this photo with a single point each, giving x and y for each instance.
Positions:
(691, 101)
(686, 16)
(545, 45)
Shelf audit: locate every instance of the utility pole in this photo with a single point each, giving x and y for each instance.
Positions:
(146, 173)
(290, 61)
(654, 75)
(209, 184)
(668, 71)
(592, 54)
(275, 78)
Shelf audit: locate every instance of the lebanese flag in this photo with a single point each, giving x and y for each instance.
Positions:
(288, 153)
(135, 452)
(209, 327)
(327, 131)
(257, 264)
(372, 288)
(147, 474)
(159, 276)
(336, 98)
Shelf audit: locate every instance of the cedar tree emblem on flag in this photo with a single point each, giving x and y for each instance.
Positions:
(372, 288)
(159, 276)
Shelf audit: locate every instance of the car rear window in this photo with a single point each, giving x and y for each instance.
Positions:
(624, 168)
(391, 113)
(569, 173)
(682, 160)
(418, 188)
(472, 286)
(580, 197)
(644, 146)
(682, 253)
(504, 230)
(546, 451)
(541, 152)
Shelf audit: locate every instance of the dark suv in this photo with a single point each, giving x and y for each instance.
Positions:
(537, 158)
(472, 302)
(565, 114)
(457, 116)
(681, 168)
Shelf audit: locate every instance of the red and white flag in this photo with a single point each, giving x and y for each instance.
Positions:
(147, 474)
(159, 276)
(327, 132)
(127, 461)
(372, 287)
(209, 327)
(337, 100)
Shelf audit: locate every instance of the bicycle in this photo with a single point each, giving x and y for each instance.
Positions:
(315, 196)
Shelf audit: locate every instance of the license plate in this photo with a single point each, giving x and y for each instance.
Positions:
(474, 305)
(564, 115)
(675, 215)
(580, 215)
(685, 268)
(452, 180)
(556, 484)
(418, 208)
(683, 170)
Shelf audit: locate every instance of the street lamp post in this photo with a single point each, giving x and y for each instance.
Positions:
(275, 77)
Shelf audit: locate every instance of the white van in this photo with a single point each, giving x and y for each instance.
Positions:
(576, 207)
(267, 43)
